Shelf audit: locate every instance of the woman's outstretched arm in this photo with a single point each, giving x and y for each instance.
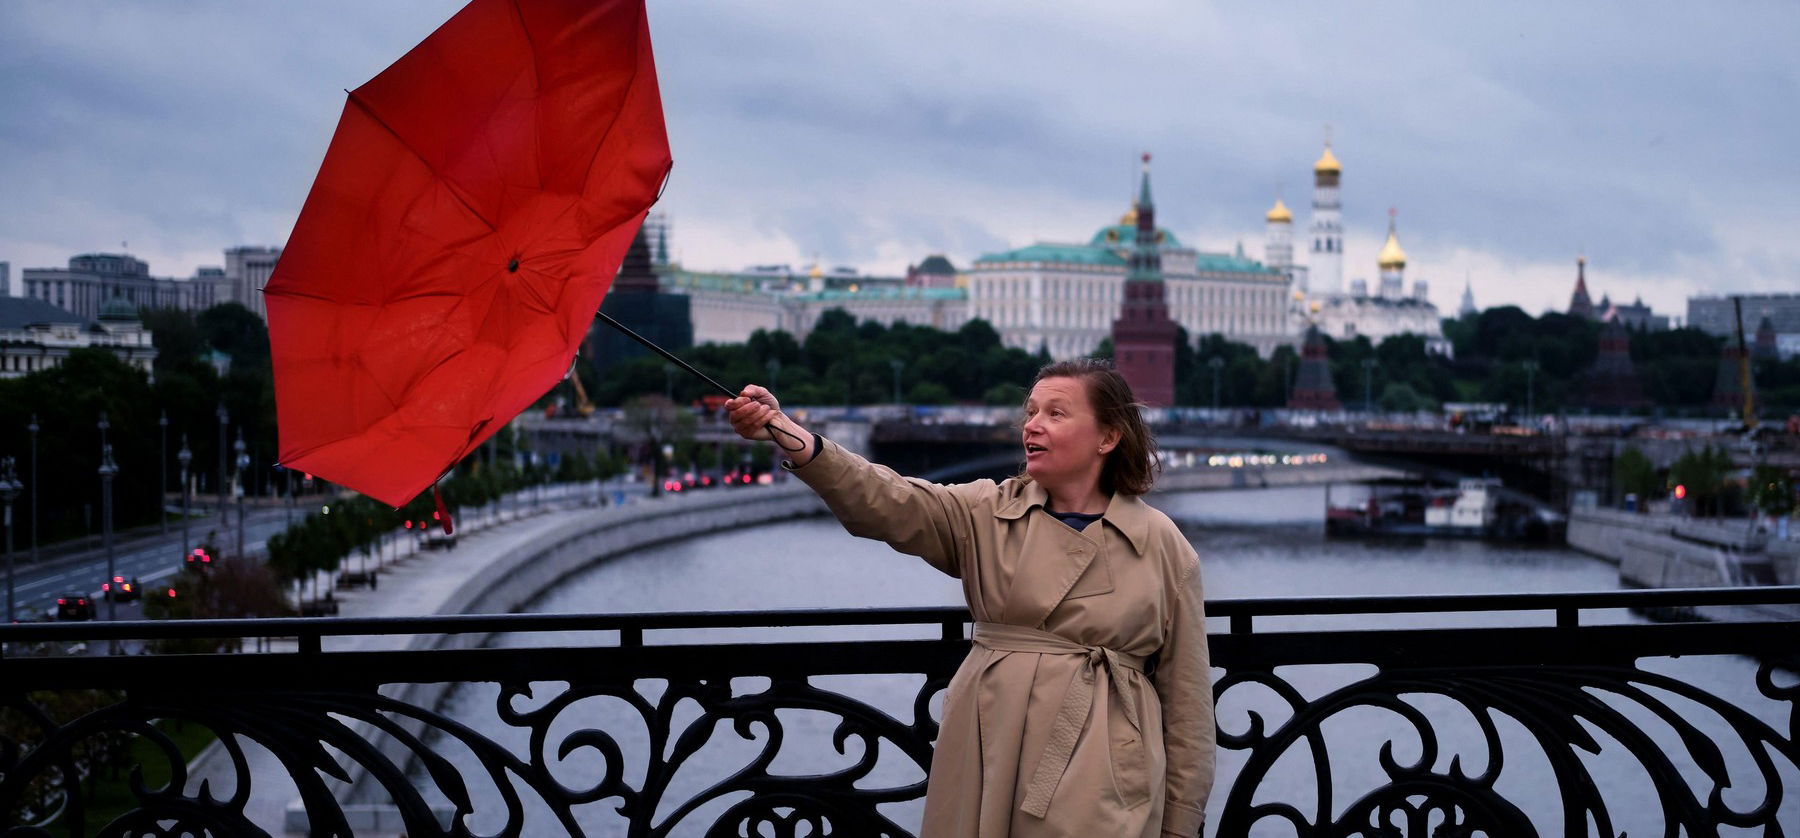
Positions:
(914, 516)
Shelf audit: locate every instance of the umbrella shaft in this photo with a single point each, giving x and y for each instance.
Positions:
(607, 319)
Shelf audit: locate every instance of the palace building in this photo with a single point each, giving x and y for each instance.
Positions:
(1064, 297)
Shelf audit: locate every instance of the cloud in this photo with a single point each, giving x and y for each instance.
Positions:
(1656, 137)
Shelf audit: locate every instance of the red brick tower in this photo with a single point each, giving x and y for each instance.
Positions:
(1313, 387)
(1144, 336)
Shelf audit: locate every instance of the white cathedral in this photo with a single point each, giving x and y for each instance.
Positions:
(1318, 292)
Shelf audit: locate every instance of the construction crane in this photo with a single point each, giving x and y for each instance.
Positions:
(582, 405)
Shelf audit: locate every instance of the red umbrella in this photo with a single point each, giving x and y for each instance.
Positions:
(470, 213)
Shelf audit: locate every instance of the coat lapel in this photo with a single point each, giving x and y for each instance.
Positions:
(1053, 558)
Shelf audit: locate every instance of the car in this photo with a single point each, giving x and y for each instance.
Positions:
(74, 607)
(121, 589)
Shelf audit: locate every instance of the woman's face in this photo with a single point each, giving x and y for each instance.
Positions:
(1065, 444)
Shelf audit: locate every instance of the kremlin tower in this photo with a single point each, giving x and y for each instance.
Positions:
(1612, 382)
(1144, 336)
(1580, 304)
(1325, 265)
(1313, 387)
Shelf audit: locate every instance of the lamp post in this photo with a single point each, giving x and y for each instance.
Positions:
(1368, 365)
(897, 364)
(1531, 368)
(9, 492)
(1217, 363)
(184, 456)
(224, 516)
(243, 462)
(108, 470)
(162, 489)
(774, 366)
(669, 382)
(33, 428)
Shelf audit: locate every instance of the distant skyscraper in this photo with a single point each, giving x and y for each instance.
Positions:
(1580, 304)
(1325, 263)
(1144, 336)
(5, 279)
(1467, 308)
(247, 270)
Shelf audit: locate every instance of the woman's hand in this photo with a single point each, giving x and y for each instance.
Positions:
(752, 411)
(755, 411)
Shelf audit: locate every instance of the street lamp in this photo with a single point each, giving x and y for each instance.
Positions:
(224, 516)
(1368, 365)
(897, 364)
(162, 489)
(1217, 363)
(33, 428)
(108, 470)
(1531, 368)
(774, 366)
(669, 382)
(184, 456)
(243, 462)
(9, 492)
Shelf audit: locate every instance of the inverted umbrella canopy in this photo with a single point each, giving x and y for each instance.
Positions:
(469, 216)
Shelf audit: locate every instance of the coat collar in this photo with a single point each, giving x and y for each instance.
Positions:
(1126, 513)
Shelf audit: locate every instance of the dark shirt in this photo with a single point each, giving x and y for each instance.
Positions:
(1077, 521)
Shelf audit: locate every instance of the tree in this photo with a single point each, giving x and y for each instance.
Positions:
(1772, 490)
(1634, 474)
(1702, 475)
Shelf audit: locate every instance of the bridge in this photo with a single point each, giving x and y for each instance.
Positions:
(325, 711)
(947, 441)
(351, 716)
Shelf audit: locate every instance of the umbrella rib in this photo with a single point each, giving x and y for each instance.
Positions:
(492, 227)
(630, 90)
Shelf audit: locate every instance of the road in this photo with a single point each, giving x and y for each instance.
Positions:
(150, 559)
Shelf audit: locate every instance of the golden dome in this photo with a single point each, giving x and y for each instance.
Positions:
(1328, 162)
(1391, 256)
(1280, 213)
(1129, 219)
(816, 272)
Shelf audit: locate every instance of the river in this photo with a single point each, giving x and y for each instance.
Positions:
(1252, 543)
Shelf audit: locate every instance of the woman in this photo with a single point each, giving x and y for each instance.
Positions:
(1085, 706)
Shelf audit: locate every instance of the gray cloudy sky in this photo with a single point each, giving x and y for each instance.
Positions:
(1661, 138)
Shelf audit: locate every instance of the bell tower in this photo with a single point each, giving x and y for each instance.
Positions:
(1325, 260)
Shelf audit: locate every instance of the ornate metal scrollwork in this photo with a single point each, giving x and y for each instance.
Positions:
(1557, 705)
(315, 733)
(1701, 756)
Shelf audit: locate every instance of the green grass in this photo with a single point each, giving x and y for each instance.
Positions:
(112, 797)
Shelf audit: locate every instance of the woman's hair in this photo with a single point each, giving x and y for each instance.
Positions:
(1131, 466)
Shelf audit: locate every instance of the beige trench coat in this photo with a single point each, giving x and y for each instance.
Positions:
(1138, 748)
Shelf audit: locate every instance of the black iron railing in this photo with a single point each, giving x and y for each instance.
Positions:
(1567, 686)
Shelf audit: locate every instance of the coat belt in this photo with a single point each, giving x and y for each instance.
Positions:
(1077, 704)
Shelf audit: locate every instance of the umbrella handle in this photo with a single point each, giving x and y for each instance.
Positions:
(800, 444)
